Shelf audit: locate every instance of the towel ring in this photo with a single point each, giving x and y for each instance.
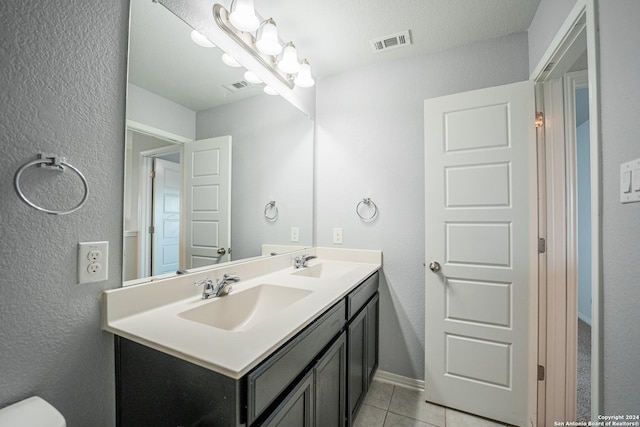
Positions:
(367, 201)
(271, 206)
(56, 163)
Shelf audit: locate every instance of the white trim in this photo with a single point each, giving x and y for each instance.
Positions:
(399, 380)
(153, 131)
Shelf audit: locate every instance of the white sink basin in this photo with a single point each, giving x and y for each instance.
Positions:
(243, 310)
(324, 270)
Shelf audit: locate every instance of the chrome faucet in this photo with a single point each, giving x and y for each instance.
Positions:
(223, 286)
(301, 260)
(220, 289)
(207, 287)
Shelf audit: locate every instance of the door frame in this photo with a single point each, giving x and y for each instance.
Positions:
(556, 354)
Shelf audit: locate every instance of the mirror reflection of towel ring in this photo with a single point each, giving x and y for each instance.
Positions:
(271, 211)
(367, 201)
(56, 163)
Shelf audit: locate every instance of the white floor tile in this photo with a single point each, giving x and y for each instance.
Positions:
(459, 419)
(395, 420)
(370, 416)
(379, 395)
(411, 403)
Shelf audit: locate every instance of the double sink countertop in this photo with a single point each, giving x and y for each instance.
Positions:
(232, 334)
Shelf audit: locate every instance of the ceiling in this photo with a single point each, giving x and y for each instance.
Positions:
(334, 35)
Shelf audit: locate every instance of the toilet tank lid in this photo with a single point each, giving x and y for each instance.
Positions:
(32, 412)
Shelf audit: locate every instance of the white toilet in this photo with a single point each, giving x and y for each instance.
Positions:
(31, 412)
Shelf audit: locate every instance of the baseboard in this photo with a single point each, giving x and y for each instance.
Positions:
(399, 380)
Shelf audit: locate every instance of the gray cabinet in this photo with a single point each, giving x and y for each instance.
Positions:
(362, 354)
(297, 408)
(271, 378)
(318, 378)
(331, 384)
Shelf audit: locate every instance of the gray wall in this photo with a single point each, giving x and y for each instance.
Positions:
(620, 101)
(63, 71)
(369, 143)
(620, 107)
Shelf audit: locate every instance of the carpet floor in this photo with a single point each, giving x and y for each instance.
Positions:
(583, 409)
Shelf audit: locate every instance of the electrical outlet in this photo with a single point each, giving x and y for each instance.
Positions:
(337, 236)
(295, 234)
(93, 261)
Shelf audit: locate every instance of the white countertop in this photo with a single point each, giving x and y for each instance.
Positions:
(149, 313)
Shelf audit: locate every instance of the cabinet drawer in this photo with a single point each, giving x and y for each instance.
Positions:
(359, 296)
(273, 376)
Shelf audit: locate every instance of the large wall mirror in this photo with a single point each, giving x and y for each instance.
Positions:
(215, 169)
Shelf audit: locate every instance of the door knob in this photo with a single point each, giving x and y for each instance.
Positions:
(222, 251)
(434, 266)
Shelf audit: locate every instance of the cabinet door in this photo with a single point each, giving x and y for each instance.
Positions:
(330, 385)
(357, 374)
(296, 410)
(372, 338)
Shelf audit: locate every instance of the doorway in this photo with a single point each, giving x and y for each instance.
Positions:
(569, 348)
(579, 169)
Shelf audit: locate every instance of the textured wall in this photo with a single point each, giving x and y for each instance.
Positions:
(620, 103)
(63, 72)
(369, 143)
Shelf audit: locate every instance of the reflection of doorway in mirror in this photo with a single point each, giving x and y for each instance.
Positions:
(142, 150)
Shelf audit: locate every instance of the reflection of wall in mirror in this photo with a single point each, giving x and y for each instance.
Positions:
(272, 160)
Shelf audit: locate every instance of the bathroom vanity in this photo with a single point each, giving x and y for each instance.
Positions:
(309, 362)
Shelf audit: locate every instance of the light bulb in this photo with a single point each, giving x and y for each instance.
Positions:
(267, 38)
(243, 15)
(304, 79)
(230, 60)
(288, 62)
(201, 40)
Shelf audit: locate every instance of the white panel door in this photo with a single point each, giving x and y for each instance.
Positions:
(477, 214)
(166, 217)
(207, 201)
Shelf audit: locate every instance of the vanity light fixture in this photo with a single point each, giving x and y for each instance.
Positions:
(201, 40)
(267, 38)
(243, 15)
(304, 79)
(288, 61)
(263, 46)
(230, 60)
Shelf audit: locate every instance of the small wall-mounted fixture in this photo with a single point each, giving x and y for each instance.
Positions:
(271, 211)
(371, 214)
(264, 46)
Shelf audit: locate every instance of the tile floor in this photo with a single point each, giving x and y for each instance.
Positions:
(387, 405)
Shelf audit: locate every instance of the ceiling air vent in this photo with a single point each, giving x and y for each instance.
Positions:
(392, 41)
(238, 86)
